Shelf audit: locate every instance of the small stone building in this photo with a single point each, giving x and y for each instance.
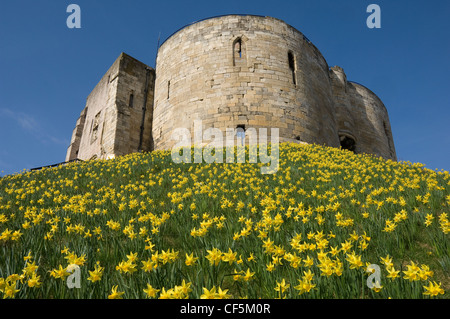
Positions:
(234, 71)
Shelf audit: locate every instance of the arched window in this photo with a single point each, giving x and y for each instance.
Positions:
(291, 61)
(240, 133)
(238, 52)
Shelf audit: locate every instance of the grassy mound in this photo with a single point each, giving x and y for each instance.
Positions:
(327, 224)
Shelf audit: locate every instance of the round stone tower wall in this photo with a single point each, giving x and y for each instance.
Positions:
(361, 116)
(372, 125)
(243, 71)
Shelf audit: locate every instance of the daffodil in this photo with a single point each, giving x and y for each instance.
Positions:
(377, 287)
(429, 220)
(72, 258)
(229, 257)
(354, 260)
(34, 281)
(387, 261)
(392, 273)
(115, 294)
(214, 256)
(270, 267)
(209, 294)
(148, 265)
(150, 292)
(96, 274)
(222, 294)
(30, 268)
(185, 288)
(247, 275)
(132, 257)
(126, 267)
(308, 261)
(190, 259)
(433, 289)
(304, 285)
(28, 257)
(9, 290)
(315, 217)
(59, 273)
(412, 272)
(282, 286)
(166, 294)
(425, 272)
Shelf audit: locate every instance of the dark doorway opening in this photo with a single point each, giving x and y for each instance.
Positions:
(348, 143)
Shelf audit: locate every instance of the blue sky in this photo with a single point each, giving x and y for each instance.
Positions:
(47, 70)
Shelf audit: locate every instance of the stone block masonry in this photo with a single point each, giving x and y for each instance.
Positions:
(117, 118)
(230, 71)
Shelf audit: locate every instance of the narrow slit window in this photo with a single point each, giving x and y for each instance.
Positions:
(131, 100)
(238, 48)
(291, 60)
(238, 52)
(95, 124)
(168, 89)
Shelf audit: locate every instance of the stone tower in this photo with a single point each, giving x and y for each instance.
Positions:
(117, 119)
(362, 119)
(243, 71)
(234, 71)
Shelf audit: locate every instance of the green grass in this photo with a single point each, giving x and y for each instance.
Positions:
(316, 190)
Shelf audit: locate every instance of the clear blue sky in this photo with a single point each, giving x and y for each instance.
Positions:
(47, 70)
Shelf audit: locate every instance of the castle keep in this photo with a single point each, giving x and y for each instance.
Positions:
(230, 72)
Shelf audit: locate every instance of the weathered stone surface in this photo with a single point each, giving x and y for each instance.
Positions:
(230, 71)
(110, 124)
(361, 115)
